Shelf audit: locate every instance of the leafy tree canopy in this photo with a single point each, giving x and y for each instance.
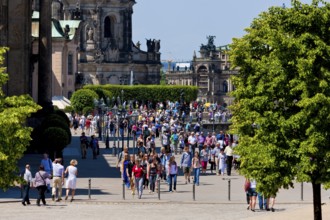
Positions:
(282, 97)
(83, 98)
(14, 134)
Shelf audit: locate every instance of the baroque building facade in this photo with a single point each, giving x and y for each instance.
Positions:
(85, 42)
(106, 53)
(210, 72)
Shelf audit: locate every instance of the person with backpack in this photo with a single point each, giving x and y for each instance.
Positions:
(174, 142)
(186, 163)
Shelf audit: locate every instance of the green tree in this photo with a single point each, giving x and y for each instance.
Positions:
(282, 98)
(14, 134)
(83, 98)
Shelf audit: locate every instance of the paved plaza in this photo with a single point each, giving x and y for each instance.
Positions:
(106, 196)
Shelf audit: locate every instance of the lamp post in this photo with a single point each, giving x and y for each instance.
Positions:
(114, 113)
(107, 124)
(122, 118)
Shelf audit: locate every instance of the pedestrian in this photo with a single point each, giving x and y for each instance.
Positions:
(124, 171)
(41, 179)
(229, 154)
(27, 176)
(271, 203)
(253, 194)
(186, 163)
(58, 179)
(47, 163)
(204, 158)
(212, 159)
(174, 142)
(129, 170)
(94, 144)
(144, 164)
(172, 171)
(83, 145)
(137, 174)
(247, 185)
(196, 167)
(71, 181)
(152, 173)
(121, 155)
(222, 162)
(217, 152)
(262, 201)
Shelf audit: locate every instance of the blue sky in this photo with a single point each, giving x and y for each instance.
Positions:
(182, 25)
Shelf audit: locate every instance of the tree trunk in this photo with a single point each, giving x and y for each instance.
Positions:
(317, 201)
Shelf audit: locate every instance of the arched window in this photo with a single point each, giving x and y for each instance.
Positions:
(109, 27)
(225, 86)
(69, 94)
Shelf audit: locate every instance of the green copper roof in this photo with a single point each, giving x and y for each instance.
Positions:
(57, 27)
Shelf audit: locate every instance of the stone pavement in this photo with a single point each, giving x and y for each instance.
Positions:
(211, 197)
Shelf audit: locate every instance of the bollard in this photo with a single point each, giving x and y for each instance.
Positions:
(123, 191)
(302, 191)
(228, 189)
(194, 198)
(158, 183)
(89, 188)
(21, 191)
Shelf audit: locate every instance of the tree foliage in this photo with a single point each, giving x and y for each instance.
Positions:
(14, 134)
(83, 98)
(282, 98)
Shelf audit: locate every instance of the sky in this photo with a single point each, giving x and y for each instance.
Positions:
(183, 25)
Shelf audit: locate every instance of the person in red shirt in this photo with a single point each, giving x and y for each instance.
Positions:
(88, 126)
(137, 173)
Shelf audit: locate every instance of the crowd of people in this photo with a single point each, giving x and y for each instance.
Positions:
(50, 172)
(177, 133)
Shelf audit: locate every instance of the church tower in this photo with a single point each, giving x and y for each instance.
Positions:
(107, 54)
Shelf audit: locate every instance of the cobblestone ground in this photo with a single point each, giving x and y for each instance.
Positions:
(159, 211)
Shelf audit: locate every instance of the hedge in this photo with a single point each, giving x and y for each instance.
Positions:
(153, 93)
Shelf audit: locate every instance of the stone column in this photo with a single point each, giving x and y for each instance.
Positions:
(18, 39)
(45, 56)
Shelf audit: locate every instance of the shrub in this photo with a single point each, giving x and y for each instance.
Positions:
(83, 98)
(57, 139)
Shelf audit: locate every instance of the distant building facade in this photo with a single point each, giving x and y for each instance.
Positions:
(91, 43)
(210, 72)
(106, 53)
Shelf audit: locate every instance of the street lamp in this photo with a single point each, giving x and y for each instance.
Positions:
(114, 113)
(213, 118)
(122, 127)
(107, 124)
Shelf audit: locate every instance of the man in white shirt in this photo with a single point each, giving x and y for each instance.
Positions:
(26, 185)
(58, 179)
(192, 142)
